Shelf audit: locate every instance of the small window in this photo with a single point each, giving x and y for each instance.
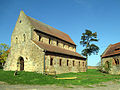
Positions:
(20, 21)
(51, 61)
(49, 40)
(24, 37)
(83, 63)
(16, 40)
(73, 63)
(39, 37)
(67, 62)
(79, 63)
(60, 62)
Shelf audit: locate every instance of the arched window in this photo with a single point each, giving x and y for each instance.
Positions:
(24, 37)
(116, 62)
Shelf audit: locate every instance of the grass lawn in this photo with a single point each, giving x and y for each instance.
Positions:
(83, 78)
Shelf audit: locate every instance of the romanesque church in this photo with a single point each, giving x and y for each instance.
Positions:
(38, 47)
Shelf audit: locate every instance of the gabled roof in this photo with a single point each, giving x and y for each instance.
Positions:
(112, 50)
(50, 30)
(57, 49)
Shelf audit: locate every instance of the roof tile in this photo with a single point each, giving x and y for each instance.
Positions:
(113, 50)
(50, 30)
(57, 49)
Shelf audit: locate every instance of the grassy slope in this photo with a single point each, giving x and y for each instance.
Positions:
(83, 78)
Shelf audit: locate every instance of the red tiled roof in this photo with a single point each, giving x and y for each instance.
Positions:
(57, 49)
(50, 30)
(112, 50)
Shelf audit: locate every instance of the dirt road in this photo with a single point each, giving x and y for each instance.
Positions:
(103, 86)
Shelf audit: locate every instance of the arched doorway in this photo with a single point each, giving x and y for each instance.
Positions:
(107, 64)
(21, 60)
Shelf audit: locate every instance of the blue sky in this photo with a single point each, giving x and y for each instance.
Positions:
(69, 16)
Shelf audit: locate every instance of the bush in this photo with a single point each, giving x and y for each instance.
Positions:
(1, 67)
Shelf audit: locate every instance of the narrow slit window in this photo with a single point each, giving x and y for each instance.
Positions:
(67, 62)
(79, 63)
(73, 63)
(49, 40)
(60, 62)
(51, 61)
(39, 37)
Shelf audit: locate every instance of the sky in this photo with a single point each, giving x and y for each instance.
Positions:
(70, 16)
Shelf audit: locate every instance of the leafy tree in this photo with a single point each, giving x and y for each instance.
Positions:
(4, 50)
(86, 39)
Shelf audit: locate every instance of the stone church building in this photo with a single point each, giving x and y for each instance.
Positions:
(111, 58)
(38, 47)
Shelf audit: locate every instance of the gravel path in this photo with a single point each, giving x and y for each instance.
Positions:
(103, 86)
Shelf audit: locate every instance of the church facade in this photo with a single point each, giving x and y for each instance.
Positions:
(38, 47)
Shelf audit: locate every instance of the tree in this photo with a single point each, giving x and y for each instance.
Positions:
(86, 39)
(4, 50)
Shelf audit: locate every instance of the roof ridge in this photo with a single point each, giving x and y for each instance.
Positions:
(111, 50)
(115, 44)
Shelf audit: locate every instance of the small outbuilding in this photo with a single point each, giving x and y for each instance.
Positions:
(110, 59)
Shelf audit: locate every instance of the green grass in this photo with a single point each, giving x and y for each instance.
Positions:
(83, 78)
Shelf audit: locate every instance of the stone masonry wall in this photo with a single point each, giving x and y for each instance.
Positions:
(115, 68)
(22, 46)
(64, 68)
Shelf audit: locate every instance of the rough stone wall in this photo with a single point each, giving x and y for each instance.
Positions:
(114, 68)
(64, 68)
(22, 46)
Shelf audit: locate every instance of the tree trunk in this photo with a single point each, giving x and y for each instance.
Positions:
(86, 63)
